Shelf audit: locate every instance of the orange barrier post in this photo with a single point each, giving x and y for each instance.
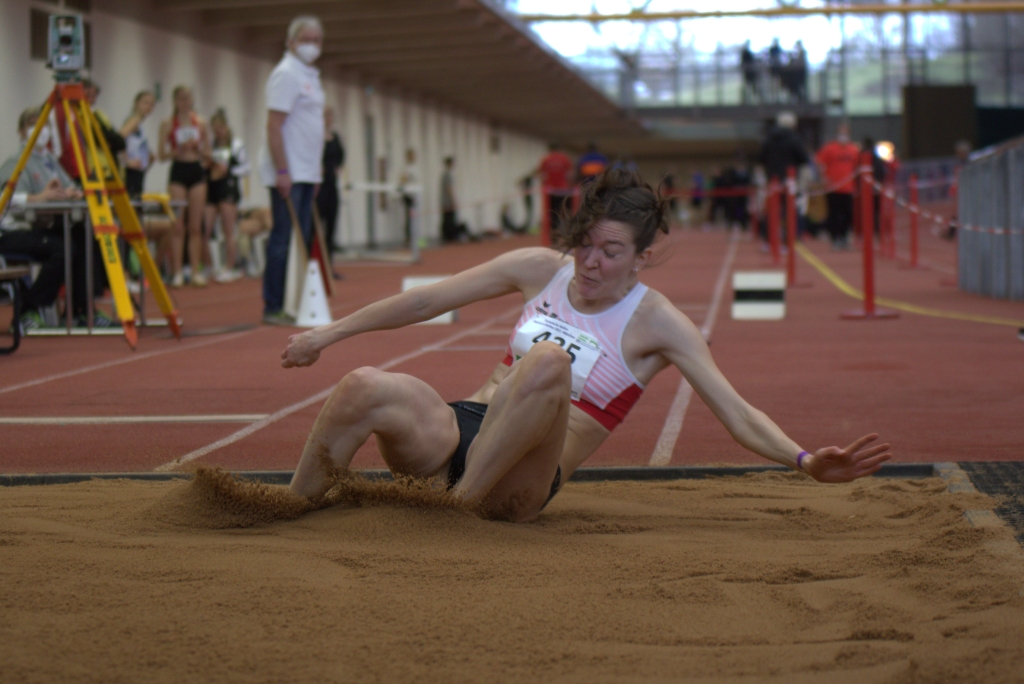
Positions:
(773, 220)
(914, 202)
(867, 231)
(545, 217)
(791, 230)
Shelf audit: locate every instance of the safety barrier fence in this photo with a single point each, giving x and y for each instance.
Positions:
(991, 217)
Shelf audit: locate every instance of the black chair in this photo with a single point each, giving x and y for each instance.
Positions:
(12, 280)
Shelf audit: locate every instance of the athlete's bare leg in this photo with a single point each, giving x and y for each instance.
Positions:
(416, 430)
(512, 462)
(196, 240)
(177, 193)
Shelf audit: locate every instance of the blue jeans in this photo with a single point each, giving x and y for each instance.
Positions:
(280, 238)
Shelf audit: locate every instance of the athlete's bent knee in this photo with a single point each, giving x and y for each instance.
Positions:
(549, 366)
(358, 392)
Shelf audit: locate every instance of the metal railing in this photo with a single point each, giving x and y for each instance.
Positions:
(991, 218)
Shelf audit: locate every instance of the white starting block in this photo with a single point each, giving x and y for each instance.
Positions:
(759, 295)
(410, 282)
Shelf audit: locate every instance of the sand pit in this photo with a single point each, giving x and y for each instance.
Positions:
(760, 578)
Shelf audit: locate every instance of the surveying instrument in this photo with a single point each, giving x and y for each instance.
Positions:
(102, 186)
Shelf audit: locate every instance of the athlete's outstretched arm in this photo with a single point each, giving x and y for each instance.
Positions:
(684, 347)
(519, 270)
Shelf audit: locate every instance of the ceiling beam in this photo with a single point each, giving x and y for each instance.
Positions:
(346, 34)
(788, 11)
(426, 44)
(232, 5)
(326, 12)
(414, 57)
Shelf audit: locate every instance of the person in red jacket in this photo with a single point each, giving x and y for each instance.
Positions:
(838, 163)
(555, 173)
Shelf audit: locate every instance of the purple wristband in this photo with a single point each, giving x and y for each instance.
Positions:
(282, 172)
(800, 459)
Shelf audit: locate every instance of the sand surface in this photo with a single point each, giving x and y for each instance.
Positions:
(760, 578)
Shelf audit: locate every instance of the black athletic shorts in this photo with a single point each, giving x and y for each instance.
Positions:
(222, 190)
(187, 174)
(469, 415)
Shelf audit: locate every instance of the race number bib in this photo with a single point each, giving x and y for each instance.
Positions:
(583, 349)
(185, 134)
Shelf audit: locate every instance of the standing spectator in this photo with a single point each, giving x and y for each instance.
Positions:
(451, 229)
(775, 68)
(409, 177)
(229, 165)
(328, 200)
(185, 140)
(555, 173)
(137, 155)
(797, 68)
(590, 165)
(697, 196)
(782, 149)
(292, 162)
(739, 211)
(668, 189)
(749, 66)
(838, 162)
(721, 187)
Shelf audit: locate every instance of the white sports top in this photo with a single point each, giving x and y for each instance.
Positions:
(610, 389)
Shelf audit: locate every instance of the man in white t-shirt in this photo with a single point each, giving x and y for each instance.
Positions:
(290, 164)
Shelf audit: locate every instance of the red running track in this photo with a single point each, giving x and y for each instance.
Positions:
(939, 390)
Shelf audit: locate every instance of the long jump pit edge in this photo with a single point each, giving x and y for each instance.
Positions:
(762, 576)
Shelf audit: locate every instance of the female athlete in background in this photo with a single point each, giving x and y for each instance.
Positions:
(590, 339)
(185, 140)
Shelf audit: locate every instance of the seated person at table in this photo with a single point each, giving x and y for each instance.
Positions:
(44, 180)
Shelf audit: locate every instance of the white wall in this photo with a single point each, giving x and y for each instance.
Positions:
(128, 56)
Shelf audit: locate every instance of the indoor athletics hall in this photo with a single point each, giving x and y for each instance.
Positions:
(512, 341)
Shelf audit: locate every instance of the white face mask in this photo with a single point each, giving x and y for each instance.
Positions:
(44, 139)
(307, 52)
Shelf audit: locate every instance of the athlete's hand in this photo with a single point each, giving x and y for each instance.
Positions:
(833, 464)
(301, 351)
(284, 184)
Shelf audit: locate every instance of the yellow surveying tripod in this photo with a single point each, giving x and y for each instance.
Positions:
(103, 187)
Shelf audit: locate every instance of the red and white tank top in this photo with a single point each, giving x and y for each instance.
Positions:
(181, 134)
(609, 390)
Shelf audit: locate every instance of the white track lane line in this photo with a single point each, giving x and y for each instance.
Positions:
(131, 420)
(320, 396)
(127, 359)
(666, 444)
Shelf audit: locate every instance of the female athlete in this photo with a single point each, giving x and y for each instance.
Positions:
(591, 337)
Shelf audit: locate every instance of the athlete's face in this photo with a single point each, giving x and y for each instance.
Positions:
(606, 261)
(183, 101)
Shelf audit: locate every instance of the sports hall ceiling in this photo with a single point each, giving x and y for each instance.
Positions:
(466, 53)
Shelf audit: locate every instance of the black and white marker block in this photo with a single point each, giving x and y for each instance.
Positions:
(759, 295)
